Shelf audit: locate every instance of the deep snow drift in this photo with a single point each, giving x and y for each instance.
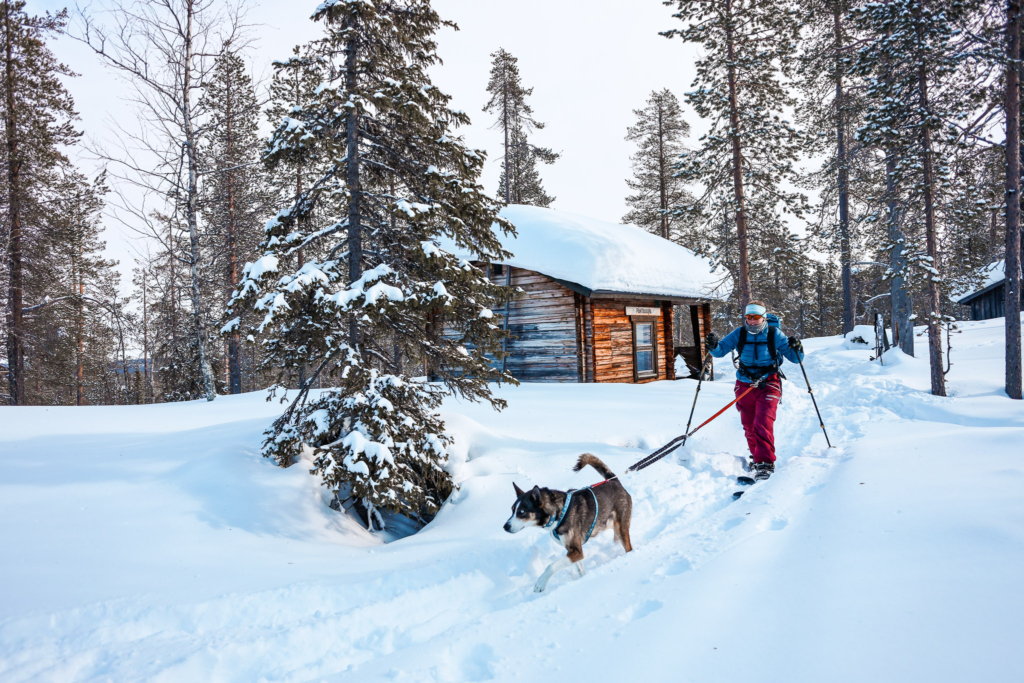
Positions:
(155, 544)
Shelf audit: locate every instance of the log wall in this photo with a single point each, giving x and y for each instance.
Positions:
(543, 323)
(613, 340)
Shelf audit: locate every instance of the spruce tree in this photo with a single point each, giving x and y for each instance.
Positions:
(376, 286)
(520, 180)
(658, 133)
(746, 160)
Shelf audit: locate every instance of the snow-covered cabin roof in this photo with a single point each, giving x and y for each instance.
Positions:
(606, 257)
(994, 275)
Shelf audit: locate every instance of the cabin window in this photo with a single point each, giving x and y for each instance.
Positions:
(497, 269)
(645, 357)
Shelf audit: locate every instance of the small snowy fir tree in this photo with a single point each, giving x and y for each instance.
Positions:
(520, 181)
(745, 162)
(377, 293)
(921, 98)
(658, 133)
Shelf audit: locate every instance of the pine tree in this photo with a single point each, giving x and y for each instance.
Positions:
(520, 181)
(236, 198)
(746, 159)
(396, 179)
(658, 132)
(920, 98)
(831, 105)
(1011, 108)
(37, 115)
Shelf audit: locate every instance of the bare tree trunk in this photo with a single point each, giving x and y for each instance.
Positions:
(1011, 296)
(934, 301)
(662, 171)
(355, 244)
(301, 255)
(79, 284)
(504, 125)
(147, 374)
(192, 208)
(15, 324)
(899, 297)
(737, 164)
(844, 184)
(234, 341)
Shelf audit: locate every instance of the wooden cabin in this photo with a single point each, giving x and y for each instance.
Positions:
(600, 302)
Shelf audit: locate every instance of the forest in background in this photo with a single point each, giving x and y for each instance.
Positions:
(857, 160)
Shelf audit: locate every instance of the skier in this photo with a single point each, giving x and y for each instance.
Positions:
(758, 342)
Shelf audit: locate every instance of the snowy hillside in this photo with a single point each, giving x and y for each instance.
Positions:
(155, 544)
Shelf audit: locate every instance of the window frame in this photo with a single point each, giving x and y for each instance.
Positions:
(653, 322)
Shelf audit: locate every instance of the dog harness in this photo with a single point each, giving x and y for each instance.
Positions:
(555, 521)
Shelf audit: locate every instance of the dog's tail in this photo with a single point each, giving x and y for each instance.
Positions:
(595, 462)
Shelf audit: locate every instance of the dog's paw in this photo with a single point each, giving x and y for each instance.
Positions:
(539, 588)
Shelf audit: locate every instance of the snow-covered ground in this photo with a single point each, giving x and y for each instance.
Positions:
(155, 544)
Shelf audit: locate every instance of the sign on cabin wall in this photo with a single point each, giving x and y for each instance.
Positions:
(643, 310)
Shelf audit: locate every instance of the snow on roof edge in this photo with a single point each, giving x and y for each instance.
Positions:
(605, 257)
(995, 273)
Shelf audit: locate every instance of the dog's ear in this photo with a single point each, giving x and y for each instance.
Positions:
(519, 491)
(535, 494)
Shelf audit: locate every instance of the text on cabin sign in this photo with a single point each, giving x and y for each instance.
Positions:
(642, 310)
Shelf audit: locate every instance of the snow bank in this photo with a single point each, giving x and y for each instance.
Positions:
(155, 544)
(604, 256)
(860, 337)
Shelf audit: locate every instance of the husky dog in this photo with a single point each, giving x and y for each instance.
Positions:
(591, 510)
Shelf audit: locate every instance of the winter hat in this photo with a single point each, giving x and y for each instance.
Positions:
(756, 308)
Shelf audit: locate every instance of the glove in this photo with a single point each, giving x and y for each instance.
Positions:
(795, 344)
(711, 340)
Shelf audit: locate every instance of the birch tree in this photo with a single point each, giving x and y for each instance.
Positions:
(166, 50)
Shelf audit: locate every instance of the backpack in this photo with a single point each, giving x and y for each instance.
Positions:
(759, 371)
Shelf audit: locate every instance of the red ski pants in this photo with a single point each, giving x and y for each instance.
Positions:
(757, 412)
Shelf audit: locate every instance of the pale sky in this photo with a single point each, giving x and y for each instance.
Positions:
(590, 65)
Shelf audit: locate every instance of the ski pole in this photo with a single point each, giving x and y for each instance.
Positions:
(809, 391)
(700, 380)
(680, 440)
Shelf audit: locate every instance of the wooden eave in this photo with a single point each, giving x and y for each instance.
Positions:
(610, 294)
(971, 297)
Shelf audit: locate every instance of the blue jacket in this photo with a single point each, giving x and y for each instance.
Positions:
(755, 351)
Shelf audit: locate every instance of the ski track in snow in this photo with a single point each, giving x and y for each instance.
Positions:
(454, 602)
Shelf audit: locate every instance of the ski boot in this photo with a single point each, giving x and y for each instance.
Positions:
(762, 470)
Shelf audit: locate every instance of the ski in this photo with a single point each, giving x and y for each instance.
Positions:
(744, 480)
